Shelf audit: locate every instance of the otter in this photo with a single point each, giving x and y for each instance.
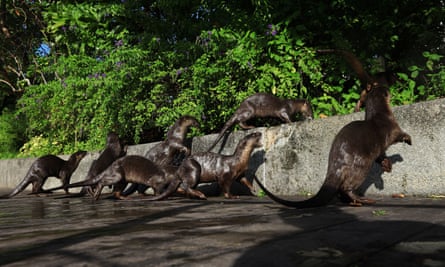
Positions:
(367, 81)
(114, 149)
(355, 147)
(165, 153)
(133, 169)
(47, 166)
(262, 105)
(223, 169)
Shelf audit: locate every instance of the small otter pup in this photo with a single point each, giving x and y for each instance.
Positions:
(47, 166)
(261, 105)
(224, 169)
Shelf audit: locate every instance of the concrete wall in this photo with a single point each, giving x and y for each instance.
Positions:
(293, 159)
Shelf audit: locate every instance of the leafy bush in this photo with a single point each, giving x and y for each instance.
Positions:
(134, 67)
(88, 98)
(11, 133)
(235, 65)
(422, 82)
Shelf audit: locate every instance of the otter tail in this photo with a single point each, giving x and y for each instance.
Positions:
(87, 182)
(355, 63)
(167, 192)
(226, 127)
(322, 198)
(19, 188)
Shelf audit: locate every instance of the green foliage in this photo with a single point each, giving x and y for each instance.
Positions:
(38, 146)
(89, 98)
(134, 67)
(82, 28)
(421, 82)
(10, 133)
(379, 213)
(236, 64)
(261, 194)
(21, 32)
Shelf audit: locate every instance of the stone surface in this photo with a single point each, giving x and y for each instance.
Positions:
(250, 231)
(293, 159)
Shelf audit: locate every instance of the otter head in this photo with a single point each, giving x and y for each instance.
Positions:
(78, 156)
(112, 138)
(306, 110)
(377, 101)
(190, 121)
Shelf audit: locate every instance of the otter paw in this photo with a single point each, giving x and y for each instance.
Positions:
(229, 196)
(355, 203)
(367, 201)
(118, 195)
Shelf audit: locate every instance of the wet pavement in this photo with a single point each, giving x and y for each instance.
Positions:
(250, 231)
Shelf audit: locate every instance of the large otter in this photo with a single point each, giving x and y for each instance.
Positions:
(164, 153)
(355, 147)
(45, 167)
(209, 167)
(133, 169)
(262, 105)
(114, 149)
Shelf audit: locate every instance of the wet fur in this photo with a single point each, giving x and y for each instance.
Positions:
(165, 153)
(262, 105)
(133, 169)
(224, 169)
(48, 166)
(355, 147)
(113, 150)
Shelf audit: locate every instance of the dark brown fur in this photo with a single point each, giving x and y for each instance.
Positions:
(114, 149)
(262, 105)
(48, 166)
(164, 153)
(210, 167)
(355, 147)
(133, 169)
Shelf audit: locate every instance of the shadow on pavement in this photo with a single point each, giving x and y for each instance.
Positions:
(348, 236)
(16, 254)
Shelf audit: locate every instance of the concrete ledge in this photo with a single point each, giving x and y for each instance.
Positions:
(293, 159)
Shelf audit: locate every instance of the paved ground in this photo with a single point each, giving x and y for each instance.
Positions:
(250, 231)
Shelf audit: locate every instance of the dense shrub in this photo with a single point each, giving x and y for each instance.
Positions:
(134, 67)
